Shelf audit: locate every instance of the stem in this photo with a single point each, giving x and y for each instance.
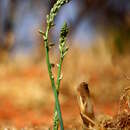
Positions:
(56, 119)
(52, 79)
(59, 74)
(63, 50)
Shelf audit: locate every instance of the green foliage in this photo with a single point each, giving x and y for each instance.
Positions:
(63, 50)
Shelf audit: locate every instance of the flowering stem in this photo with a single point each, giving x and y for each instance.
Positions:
(63, 50)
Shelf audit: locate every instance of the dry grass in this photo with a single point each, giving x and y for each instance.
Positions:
(27, 87)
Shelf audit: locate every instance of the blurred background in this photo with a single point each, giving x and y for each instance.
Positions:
(99, 42)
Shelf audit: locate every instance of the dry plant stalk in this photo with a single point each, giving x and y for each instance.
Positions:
(85, 104)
